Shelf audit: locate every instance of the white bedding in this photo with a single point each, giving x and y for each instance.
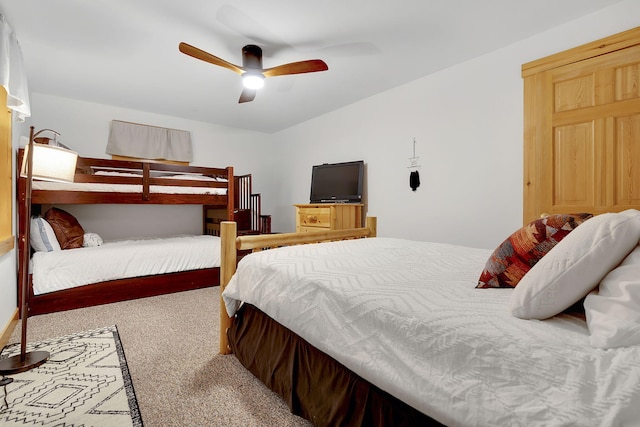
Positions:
(124, 188)
(406, 316)
(57, 270)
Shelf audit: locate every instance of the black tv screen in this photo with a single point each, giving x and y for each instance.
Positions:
(337, 182)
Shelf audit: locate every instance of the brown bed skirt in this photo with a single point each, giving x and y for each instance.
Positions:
(314, 385)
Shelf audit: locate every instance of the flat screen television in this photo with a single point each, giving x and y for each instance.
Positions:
(337, 182)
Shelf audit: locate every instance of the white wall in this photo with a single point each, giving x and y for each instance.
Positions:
(467, 121)
(8, 292)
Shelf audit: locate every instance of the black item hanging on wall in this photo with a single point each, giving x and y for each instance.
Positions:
(414, 180)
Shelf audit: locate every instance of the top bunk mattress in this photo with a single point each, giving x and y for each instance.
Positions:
(134, 188)
(124, 188)
(406, 316)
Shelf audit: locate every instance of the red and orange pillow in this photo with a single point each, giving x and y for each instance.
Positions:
(525, 247)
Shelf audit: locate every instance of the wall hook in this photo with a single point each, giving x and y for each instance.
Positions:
(413, 161)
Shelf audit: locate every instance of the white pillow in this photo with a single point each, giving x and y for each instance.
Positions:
(576, 265)
(90, 240)
(42, 236)
(613, 310)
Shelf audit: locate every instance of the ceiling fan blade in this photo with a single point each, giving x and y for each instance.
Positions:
(207, 57)
(310, 66)
(247, 95)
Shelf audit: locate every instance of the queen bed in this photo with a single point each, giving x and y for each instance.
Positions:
(383, 331)
(543, 330)
(82, 276)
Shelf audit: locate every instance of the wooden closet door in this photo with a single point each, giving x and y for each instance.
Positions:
(582, 136)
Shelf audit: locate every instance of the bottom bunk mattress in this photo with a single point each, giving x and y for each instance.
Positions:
(70, 268)
(406, 316)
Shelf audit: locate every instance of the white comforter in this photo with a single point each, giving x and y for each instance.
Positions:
(406, 316)
(124, 188)
(53, 271)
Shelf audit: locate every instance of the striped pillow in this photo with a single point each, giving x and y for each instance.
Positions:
(42, 236)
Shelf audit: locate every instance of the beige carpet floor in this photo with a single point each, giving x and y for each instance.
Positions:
(171, 345)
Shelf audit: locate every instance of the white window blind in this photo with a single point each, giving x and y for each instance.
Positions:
(149, 142)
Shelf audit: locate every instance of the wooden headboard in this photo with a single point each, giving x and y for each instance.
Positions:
(582, 128)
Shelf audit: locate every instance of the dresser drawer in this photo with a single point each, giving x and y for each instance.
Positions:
(328, 216)
(310, 229)
(314, 217)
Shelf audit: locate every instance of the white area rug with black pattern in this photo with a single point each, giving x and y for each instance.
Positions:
(85, 382)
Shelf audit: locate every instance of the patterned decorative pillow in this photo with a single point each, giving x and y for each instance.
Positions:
(68, 230)
(524, 248)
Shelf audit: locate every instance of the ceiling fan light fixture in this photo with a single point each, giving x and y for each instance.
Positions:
(253, 80)
(252, 73)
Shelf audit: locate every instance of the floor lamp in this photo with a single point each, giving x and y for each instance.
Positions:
(50, 163)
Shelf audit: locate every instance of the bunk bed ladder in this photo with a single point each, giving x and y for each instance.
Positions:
(248, 208)
(247, 211)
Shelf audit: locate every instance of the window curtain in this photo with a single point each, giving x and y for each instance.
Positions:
(149, 142)
(12, 75)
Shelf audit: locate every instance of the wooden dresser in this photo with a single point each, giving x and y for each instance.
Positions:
(328, 216)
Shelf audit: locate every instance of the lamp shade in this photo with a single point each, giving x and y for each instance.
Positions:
(51, 163)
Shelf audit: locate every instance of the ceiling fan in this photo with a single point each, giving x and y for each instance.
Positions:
(252, 73)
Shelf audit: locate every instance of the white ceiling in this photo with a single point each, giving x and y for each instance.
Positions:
(125, 52)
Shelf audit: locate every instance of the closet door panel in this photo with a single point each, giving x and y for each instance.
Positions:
(627, 82)
(573, 159)
(574, 93)
(627, 161)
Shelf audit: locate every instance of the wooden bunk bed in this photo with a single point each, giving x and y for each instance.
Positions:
(141, 183)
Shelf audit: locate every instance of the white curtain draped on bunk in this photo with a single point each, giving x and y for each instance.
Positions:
(149, 142)
(12, 75)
